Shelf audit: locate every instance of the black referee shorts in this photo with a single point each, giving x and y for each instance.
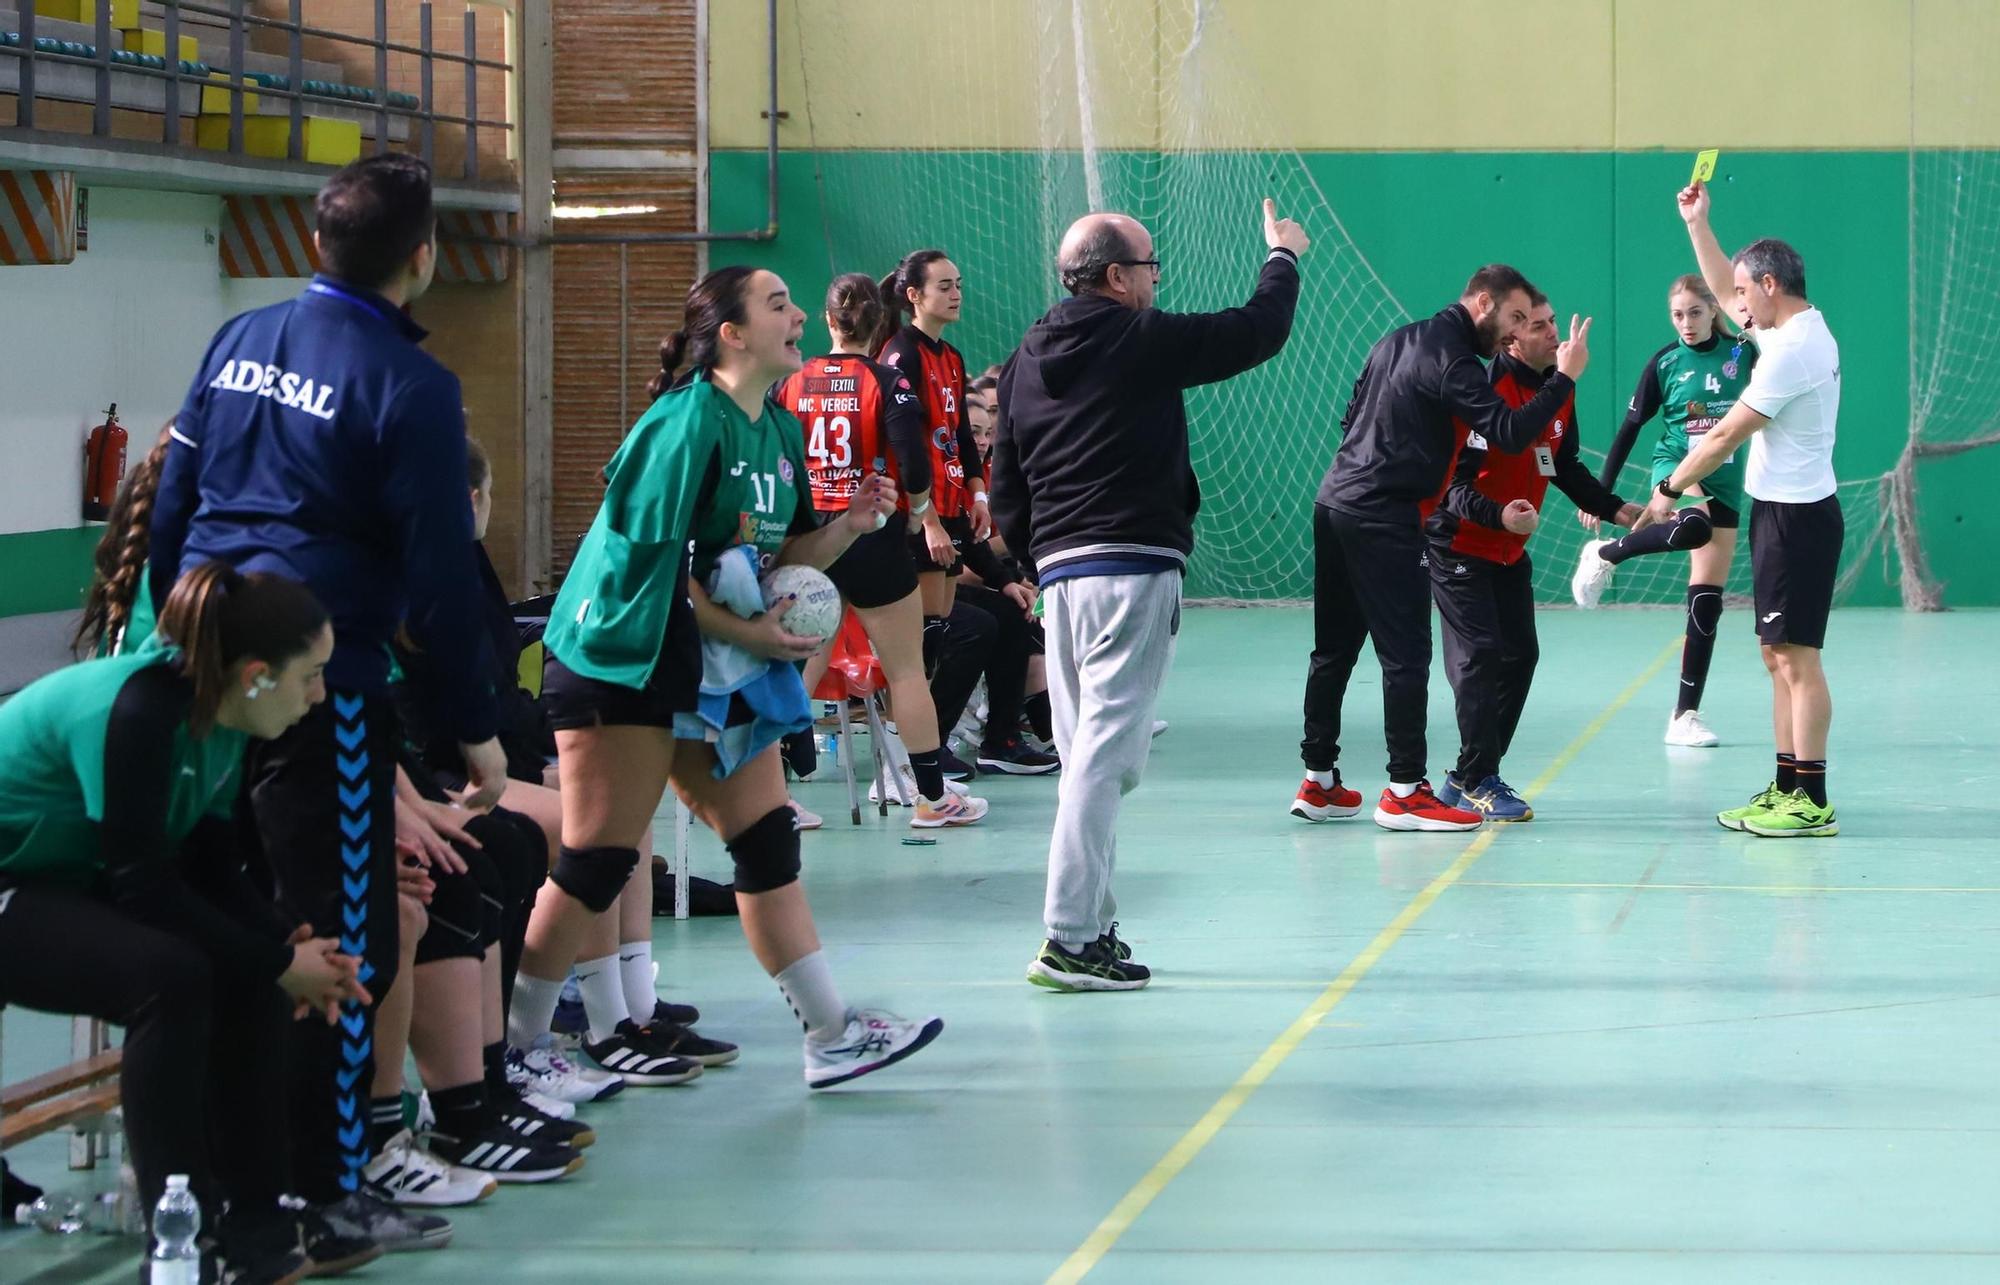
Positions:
(1794, 559)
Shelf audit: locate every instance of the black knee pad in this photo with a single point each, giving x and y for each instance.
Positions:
(457, 917)
(518, 849)
(1692, 530)
(1704, 607)
(594, 876)
(767, 854)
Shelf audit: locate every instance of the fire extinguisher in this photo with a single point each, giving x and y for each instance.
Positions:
(103, 466)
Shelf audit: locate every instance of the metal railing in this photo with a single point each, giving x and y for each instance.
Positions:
(35, 52)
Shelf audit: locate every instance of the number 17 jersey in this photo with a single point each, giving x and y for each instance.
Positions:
(847, 405)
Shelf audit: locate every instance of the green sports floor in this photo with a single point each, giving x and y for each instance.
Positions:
(1616, 1044)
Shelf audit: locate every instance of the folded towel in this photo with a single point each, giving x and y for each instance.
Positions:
(772, 689)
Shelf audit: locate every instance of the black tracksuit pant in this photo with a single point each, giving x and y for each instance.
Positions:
(1490, 652)
(1016, 640)
(324, 797)
(201, 1081)
(1369, 583)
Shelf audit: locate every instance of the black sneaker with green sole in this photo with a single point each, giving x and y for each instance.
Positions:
(1096, 967)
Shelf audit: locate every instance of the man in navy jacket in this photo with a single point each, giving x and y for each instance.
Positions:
(320, 442)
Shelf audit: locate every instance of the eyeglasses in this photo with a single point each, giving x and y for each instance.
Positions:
(1154, 264)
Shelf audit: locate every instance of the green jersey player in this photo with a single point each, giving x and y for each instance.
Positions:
(1690, 384)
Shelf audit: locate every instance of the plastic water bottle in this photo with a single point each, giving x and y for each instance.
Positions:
(55, 1213)
(176, 1222)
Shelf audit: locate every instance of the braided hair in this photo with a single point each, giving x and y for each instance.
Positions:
(119, 574)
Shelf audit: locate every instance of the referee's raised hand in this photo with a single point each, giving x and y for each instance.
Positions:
(1283, 233)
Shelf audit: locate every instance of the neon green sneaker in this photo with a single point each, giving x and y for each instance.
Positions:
(1794, 817)
(1766, 799)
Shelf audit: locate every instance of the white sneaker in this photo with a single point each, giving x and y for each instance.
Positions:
(873, 1039)
(1593, 573)
(909, 792)
(409, 1175)
(547, 1105)
(1159, 725)
(1688, 729)
(804, 820)
(949, 809)
(541, 1068)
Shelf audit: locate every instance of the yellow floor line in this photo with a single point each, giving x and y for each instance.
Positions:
(1147, 1189)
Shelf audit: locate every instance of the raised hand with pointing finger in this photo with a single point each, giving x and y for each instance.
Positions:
(1283, 233)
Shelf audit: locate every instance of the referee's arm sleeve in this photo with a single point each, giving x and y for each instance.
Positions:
(1187, 349)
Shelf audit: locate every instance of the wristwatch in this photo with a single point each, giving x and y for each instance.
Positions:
(1666, 488)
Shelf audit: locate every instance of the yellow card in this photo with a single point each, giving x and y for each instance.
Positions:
(1704, 166)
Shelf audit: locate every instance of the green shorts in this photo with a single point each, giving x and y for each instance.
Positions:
(1725, 484)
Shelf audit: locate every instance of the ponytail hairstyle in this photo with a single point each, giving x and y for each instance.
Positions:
(913, 273)
(1695, 284)
(119, 565)
(218, 616)
(712, 302)
(854, 307)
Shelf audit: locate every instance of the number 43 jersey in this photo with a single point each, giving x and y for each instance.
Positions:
(859, 417)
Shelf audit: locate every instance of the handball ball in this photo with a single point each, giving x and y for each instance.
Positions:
(816, 614)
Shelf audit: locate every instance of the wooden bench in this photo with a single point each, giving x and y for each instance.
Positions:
(82, 1096)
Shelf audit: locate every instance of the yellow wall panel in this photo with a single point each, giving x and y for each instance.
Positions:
(1362, 75)
(938, 73)
(1339, 75)
(1792, 74)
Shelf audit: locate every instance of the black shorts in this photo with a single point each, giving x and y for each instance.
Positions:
(960, 531)
(1721, 516)
(876, 570)
(575, 700)
(1794, 560)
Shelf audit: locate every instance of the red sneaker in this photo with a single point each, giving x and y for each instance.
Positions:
(1315, 803)
(1421, 811)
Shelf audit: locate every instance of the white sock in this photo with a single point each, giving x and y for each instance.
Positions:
(635, 972)
(1402, 789)
(808, 987)
(1324, 780)
(533, 1009)
(603, 995)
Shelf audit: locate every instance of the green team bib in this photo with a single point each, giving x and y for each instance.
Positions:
(52, 782)
(1698, 388)
(757, 493)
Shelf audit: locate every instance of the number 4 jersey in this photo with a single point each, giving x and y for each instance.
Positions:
(859, 417)
(1692, 388)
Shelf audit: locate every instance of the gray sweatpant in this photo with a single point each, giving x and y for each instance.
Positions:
(1109, 640)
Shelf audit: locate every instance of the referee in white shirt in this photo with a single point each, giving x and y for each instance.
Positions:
(1787, 412)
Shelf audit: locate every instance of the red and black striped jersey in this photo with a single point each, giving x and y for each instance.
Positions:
(938, 372)
(859, 417)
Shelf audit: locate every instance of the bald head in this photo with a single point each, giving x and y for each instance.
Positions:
(1096, 253)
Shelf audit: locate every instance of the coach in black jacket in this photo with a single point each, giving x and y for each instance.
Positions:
(1092, 482)
(1421, 395)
